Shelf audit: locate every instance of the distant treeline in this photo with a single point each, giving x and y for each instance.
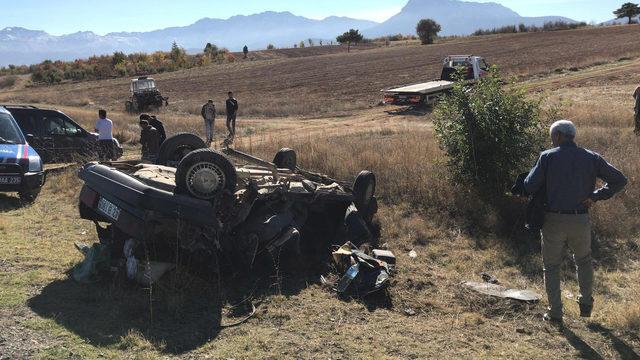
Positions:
(119, 64)
(522, 28)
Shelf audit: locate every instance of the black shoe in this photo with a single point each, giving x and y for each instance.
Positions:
(547, 317)
(585, 309)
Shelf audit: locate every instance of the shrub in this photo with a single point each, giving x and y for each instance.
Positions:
(271, 47)
(8, 81)
(490, 133)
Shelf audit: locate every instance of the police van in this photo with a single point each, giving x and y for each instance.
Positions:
(21, 168)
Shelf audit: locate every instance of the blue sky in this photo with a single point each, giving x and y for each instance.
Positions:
(63, 17)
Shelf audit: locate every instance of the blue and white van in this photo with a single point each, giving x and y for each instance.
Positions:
(21, 168)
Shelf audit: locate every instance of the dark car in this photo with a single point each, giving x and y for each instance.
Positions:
(55, 136)
(20, 166)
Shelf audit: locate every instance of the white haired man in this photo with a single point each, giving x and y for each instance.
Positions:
(568, 174)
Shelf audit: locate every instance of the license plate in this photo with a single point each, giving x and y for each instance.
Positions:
(10, 180)
(108, 208)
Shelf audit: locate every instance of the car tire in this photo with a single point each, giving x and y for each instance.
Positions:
(204, 174)
(286, 159)
(364, 190)
(29, 196)
(176, 147)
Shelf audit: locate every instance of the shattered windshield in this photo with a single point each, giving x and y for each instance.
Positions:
(9, 131)
(142, 85)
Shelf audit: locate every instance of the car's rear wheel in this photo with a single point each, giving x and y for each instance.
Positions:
(286, 159)
(204, 174)
(175, 148)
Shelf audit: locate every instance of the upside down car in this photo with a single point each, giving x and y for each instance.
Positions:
(221, 207)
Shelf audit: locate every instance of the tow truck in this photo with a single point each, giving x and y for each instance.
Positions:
(427, 93)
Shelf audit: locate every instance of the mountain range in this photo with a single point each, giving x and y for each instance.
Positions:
(282, 29)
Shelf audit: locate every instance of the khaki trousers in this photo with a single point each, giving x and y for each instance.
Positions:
(559, 232)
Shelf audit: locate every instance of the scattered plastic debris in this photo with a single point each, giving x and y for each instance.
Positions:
(503, 292)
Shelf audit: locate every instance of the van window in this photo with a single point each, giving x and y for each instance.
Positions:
(9, 131)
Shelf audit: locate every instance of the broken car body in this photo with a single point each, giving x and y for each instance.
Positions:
(223, 207)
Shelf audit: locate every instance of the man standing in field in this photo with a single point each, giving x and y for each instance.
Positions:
(209, 115)
(636, 96)
(232, 110)
(157, 124)
(149, 140)
(568, 173)
(104, 128)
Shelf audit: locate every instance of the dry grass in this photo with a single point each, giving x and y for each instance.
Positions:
(297, 318)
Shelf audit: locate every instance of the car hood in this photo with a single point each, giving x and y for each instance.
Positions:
(22, 155)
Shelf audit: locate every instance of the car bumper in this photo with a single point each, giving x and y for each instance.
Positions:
(28, 181)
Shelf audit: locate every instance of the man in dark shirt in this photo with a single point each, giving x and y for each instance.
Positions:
(232, 110)
(150, 141)
(157, 124)
(569, 175)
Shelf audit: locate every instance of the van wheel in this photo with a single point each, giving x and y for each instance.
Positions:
(29, 196)
(175, 148)
(286, 159)
(204, 174)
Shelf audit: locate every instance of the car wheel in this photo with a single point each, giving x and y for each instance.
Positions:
(175, 148)
(364, 190)
(286, 159)
(204, 174)
(29, 196)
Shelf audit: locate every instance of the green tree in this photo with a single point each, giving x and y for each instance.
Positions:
(301, 45)
(491, 133)
(270, 47)
(118, 58)
(310, 41)
(178, 55)
(427, 30)
(352, 36)
(627, 10)
(211, 50)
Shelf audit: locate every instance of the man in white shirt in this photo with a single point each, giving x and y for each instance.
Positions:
(104, 128)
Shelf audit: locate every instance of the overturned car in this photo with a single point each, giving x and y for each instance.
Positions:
(222, 208)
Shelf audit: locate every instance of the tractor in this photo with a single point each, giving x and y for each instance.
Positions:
(144, 95)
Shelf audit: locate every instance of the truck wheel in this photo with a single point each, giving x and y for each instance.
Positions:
(364, 189)
(29, 196)
(204, 174)
(286, 159)
(175, 148)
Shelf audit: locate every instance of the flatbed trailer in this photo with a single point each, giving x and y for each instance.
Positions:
(427, 93)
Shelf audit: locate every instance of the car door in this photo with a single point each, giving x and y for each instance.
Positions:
(30, 122)
(53, 127)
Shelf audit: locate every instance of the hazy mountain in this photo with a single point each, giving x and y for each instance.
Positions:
(282, 29)
(23, 46)
(456, 17)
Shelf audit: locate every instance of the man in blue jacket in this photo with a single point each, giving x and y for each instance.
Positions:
(569, 174)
